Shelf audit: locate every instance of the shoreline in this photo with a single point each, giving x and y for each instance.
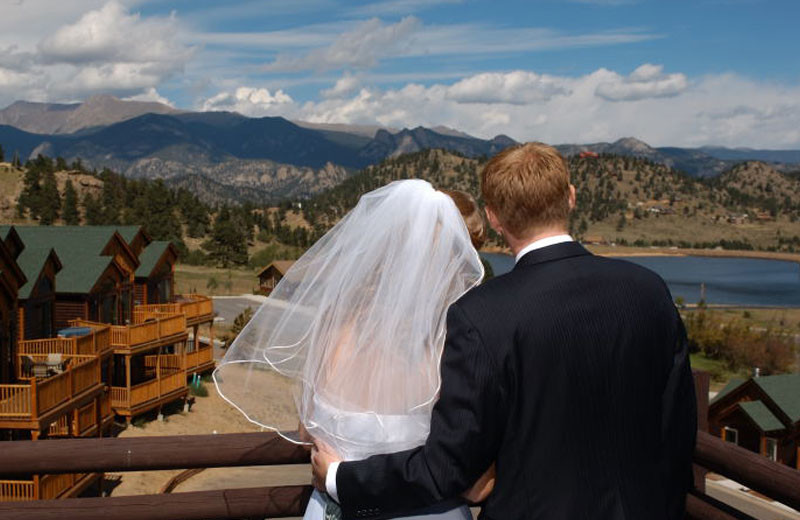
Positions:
(629, 251)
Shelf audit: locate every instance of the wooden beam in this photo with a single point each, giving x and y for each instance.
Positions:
(703, 507)
(275, 502)
(148, 453)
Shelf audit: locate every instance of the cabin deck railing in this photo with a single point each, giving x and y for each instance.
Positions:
(149, 328)
(142, 393)
(199, 358)
(36, 398)
(95, 343)
(190, 305)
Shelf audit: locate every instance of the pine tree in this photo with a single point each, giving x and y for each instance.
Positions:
(50, 200)
(228, 243)
(92, 210)
(2, 154)
(71, 215)
(30, 198)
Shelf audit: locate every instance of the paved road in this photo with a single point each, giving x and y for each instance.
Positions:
(228, 307)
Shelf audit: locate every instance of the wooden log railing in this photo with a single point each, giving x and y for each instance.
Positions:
(248, 449)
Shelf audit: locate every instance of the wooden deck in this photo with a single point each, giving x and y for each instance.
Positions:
(200, 361)
(47, 487)
(170, 386)
(195, 307)
(38, 402)
(149, 330)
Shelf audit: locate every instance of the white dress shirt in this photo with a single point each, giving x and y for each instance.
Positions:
(543, 242)
(330, 478)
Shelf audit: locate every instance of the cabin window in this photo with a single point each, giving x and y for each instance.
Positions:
(771, 448)
(126, 306)
(731, 435)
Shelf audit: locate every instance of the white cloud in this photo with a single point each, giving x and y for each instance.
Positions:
(255, 102)
(362, 47)
(389, 7)
(108, 49)
(151, 94)
(647, 81)
(720, 109)
(517, 88)
(343, 87)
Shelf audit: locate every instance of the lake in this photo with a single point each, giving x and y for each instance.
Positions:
(728, 281)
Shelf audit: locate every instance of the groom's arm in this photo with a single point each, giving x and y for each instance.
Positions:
(678, 424)
(466, 427)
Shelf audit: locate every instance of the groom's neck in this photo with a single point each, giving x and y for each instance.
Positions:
(518, 244)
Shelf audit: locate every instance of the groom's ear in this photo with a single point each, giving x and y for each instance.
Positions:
(493, 221)
(572, 199)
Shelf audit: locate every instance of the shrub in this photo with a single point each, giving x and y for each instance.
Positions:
(739, 346)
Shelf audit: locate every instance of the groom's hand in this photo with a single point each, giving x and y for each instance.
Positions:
(322, 456)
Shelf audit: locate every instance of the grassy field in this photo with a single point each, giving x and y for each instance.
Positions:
(191, 278)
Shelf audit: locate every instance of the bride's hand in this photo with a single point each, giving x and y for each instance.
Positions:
(482, 488)
(322, 456)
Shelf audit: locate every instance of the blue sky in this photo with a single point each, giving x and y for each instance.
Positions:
(670, 72)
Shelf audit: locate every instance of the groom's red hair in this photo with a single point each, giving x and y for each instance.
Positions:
(527, 187)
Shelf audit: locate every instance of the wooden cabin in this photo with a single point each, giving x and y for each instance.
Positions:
(155, 276)
(56, 386)
(269, 277)
(11, 278)
(97, 278)
(761, 414)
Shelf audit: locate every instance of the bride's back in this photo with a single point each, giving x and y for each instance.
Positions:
(359, 321)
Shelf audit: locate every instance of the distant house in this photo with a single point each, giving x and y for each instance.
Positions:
(764, 217)
(586, 153)
(737, 218)
(761, 414)
(269, 277)
(593, 240)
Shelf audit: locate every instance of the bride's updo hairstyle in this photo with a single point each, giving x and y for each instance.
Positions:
(471, 213)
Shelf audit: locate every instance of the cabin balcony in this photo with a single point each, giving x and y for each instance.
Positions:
(47, 487)
(37, 403)
(149, 330)
(168, 384)
(195, 307)
(96, 341)
(85, 421)
(200, 360)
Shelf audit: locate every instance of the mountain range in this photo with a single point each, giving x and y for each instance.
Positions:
(272, 157)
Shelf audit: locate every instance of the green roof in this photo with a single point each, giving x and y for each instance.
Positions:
(732, 385)
(761, 415)
(784, 390)
(78, 247)
(150, 256)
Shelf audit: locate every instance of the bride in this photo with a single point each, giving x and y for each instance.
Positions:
(356, 329)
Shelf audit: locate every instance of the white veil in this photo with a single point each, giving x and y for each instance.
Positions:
(356, 327)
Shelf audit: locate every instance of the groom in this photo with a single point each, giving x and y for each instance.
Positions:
(570, 373)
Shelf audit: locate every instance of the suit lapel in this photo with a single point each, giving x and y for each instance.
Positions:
(552, 253)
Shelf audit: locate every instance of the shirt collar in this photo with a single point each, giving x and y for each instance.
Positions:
(543, 242)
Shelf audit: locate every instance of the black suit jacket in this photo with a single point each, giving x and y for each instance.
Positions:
(572, 374)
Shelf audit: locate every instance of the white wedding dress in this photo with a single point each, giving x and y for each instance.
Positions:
(362, 430)
(355, 330)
